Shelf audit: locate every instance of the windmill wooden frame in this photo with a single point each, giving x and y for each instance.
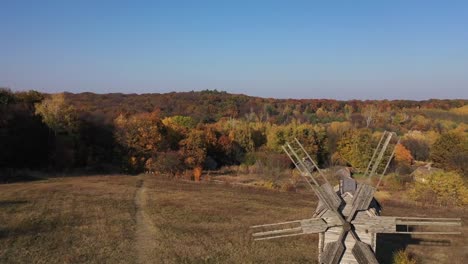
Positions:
(348, 222)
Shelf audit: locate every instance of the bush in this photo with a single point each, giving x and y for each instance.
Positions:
(396, 182)
(271, 185)
(441, 188)
(165, 163)
(288, 187)
(402, 257)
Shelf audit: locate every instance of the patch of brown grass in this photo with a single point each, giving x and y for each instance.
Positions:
(427, 248)
(92, 220)
(208, 223)
(68, 220)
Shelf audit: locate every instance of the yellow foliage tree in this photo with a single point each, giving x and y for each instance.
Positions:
(57, 114)
(441, 188)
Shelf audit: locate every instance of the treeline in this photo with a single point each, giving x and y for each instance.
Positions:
(210, 106)
(179, 132)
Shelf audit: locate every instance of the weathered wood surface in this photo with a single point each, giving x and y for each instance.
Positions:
(381, 155)
(347, 198)
(421, 221)
(377, 224)
(364, 254)
(333, 235)
(332, 253)
(291, 228)
(361, 200)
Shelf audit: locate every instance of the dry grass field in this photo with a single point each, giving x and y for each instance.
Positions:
(143, 219)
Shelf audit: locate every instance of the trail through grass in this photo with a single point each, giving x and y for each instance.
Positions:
(145, 219)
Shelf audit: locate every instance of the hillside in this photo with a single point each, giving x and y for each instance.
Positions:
(146, 219)
(210, 106)
(193, 131)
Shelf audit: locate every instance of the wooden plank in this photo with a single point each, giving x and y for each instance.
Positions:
(430, 233)
(420, 221)
(428, 218)
(377, 224)
(290, 228)
(380, 156)
(375, 152)
(363, 253)
(312, 226)
(276, 224)
(332, 253)
(273, 237)
(321, 245)
(425, 223)
(332, 195)
(361, 200)
(281, 231)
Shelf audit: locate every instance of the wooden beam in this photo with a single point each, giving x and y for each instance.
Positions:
(361, 199)
(363, 253)
(427, 223)
(429, 233)
(291, 228)
(281, 231)
(377, 224)
(332, 253)
(273, 237)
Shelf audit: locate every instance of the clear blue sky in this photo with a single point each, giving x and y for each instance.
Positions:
(284, 49)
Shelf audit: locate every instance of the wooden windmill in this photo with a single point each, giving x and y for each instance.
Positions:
(347, 217)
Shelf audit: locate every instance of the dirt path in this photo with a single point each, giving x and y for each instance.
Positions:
(146, 231)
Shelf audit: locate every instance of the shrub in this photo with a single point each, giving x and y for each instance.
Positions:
(396, 181)
(402, 257)
(288, 187)
(165, 163)
(271, 185)
(441, 188)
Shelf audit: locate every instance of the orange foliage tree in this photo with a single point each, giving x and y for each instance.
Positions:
(142, 136)
(403, 155)
(194, 149)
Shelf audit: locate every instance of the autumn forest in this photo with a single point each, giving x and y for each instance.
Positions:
(195, 131)
(180, 177)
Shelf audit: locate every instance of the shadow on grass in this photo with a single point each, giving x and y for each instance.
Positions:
(12, 176)
(12, 202)
(388, 244)
(28, 228)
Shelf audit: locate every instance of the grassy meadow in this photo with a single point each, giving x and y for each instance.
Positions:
(145, 219)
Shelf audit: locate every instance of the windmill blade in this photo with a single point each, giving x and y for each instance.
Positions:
(363, 253)
(375, 153)
(291, 228)
(333, 251)
(320, 185)
(381, 148)
(361, 199)
(388, 163)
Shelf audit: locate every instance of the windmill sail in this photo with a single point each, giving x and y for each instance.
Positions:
(349, 221)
